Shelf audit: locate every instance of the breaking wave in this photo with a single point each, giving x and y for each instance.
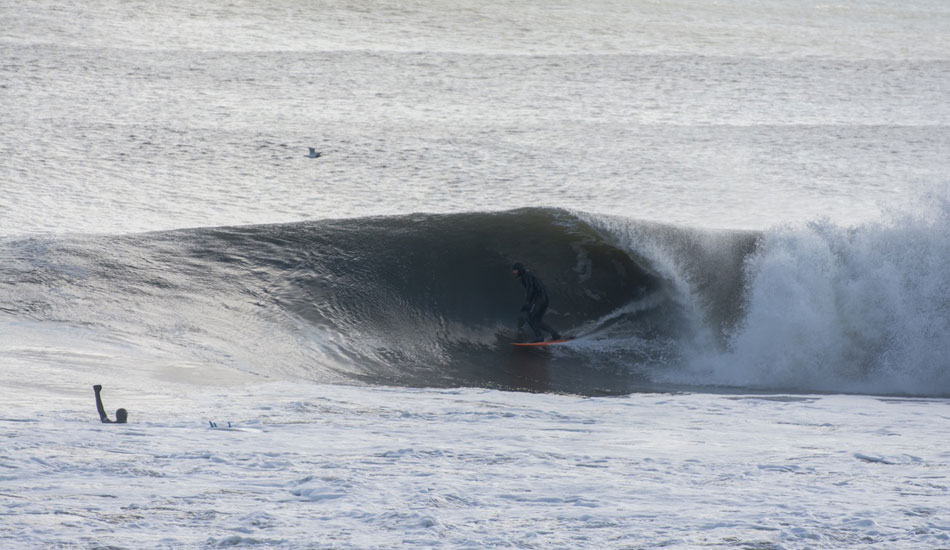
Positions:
(429, 300)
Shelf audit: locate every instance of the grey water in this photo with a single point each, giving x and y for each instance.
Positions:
(127, 117)
(823, 129)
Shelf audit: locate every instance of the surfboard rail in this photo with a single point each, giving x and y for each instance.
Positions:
(541, 344)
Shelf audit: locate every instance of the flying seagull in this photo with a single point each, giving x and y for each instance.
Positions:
(314, 153)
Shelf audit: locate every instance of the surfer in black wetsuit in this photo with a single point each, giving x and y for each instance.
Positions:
(536, 303)
(121, 415)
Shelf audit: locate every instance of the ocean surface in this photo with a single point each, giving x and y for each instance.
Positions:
(741, 210)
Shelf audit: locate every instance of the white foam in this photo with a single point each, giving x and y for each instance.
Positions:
(380, 467)
(862, 309)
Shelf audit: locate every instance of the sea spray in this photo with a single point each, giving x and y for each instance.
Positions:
(831, 308)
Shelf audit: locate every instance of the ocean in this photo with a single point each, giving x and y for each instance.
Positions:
(740, 210)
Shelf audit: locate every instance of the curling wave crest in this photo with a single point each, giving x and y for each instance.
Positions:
(428, 300)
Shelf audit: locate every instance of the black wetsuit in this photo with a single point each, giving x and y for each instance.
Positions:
(120, 416)
(536, 304)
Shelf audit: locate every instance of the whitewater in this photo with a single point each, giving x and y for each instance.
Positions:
(741, 211)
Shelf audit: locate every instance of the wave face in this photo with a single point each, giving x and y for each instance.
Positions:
(429, 300)
(414, 300)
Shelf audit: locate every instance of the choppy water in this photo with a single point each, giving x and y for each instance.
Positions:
(723, 197)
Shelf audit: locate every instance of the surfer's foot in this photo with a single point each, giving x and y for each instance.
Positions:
(555, 336)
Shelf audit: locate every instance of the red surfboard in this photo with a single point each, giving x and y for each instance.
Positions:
(540, 344)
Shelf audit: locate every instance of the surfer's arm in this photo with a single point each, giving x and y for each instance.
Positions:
(102, 412)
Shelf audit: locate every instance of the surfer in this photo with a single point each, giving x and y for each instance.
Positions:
(121, 415)
(536, 303)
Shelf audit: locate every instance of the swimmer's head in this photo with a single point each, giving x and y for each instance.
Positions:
(121, 415)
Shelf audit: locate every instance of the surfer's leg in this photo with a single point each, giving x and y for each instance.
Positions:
(540, 325)
(534, 320)
(547, 328)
